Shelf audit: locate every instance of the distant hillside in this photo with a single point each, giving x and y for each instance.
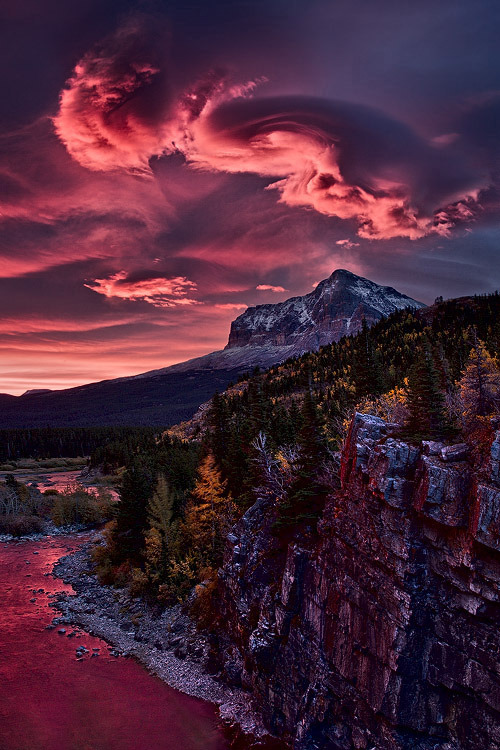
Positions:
(158, 400)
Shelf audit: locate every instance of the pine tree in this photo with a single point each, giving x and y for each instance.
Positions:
(308, 492)
(162, 533)
(368, 376)
(161, 506)
(426, 401)
(218, 419)
(131, 520)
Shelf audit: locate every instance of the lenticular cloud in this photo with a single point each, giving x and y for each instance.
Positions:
(109, 116)
(342, 160)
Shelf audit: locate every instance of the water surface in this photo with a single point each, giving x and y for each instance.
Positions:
(52, 700)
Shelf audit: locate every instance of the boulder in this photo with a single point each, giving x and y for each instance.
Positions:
(458, 452)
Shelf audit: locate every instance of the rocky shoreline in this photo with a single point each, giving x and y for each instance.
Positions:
(165, 641)
(49, 530)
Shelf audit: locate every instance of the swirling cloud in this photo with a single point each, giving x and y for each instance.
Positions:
(114, 110)
(339, 159)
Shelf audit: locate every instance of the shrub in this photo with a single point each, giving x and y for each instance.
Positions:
(202, 606)
(21, 525)
(138, 583)
(78, 505)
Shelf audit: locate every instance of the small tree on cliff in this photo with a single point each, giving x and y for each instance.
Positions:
(479, 386)
(307, 492)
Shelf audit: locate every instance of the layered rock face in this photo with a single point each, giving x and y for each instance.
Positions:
(384, 632)
(334, 309)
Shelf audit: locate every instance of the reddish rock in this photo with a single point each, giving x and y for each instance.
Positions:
(383, 631)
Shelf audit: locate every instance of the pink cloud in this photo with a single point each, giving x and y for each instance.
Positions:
(118, 110)
(79, 214)
(231, 306)
(301, 144)
(348, 244)
(269, 288)
(159, 292)
(101, 118)
(40, 324)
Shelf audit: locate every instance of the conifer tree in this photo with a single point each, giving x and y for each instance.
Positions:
(368, 376)
(426, 401)
(308, 492)
(479, 386)
(162, 532)
(161, 506)
(218, 419)
(131, 520)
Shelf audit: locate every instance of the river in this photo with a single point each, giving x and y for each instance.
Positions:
(55, 480)
(52, 699)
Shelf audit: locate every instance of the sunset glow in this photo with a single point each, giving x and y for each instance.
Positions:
(161, 172)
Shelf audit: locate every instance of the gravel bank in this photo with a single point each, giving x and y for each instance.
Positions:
(165, 641)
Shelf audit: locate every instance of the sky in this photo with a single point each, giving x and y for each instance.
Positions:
(164, 165)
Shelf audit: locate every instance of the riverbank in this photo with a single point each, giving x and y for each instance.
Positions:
(165, 641)
(49, 530)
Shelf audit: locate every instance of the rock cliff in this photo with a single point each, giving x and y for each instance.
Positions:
(382, 632)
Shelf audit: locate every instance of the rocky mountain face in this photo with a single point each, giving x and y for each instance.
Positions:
(336, 308)
(382, 633)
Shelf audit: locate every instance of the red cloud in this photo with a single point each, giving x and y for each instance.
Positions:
(103, 117)
(231, 306)
(160, 292)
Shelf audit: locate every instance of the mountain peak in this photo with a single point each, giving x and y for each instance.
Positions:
(335, 308)
(272, 332)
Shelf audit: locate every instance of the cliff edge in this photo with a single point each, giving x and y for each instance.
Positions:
(381, 632)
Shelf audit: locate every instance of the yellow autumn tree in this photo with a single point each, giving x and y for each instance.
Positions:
(479, 400)
(209, 515)
(479, 386)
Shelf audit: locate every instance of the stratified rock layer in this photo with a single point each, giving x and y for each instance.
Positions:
(384, 632)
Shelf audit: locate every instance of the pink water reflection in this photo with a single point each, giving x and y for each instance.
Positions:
(51, 701)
